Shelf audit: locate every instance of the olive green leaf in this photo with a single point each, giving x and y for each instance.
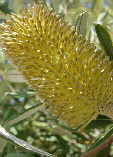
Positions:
(104, 39)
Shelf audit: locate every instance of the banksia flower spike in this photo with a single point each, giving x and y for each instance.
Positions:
(69, 74)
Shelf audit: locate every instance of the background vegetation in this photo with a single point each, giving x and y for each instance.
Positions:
(16, 97)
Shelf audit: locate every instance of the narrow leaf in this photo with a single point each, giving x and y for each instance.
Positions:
(22, 143)
(82, 23)
(4, 8)
(102, 142)
(105, 40)
(15, 76)
(24, 115)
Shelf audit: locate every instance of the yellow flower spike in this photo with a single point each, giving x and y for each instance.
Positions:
(70, 75)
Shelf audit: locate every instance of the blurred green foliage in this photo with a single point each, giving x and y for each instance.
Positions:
(16, 97)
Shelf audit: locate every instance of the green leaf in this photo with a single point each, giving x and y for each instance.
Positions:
(82, 23)
(105, 152)
(4, 8)
(97, 5)
(101, 140)
(19, 155)
(105, 40)
(3, 143)
(22, 143)
(24, 115)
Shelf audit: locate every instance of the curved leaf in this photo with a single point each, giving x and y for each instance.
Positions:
(105, 40)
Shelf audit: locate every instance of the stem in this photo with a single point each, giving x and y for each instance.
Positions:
(24, 115)
(102, 146)
(22, 143)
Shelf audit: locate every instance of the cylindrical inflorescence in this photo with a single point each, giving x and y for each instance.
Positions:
(69, 74)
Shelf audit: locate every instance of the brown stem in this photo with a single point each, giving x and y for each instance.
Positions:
(93, 152)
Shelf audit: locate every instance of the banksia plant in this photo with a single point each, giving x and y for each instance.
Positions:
(72, 78)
